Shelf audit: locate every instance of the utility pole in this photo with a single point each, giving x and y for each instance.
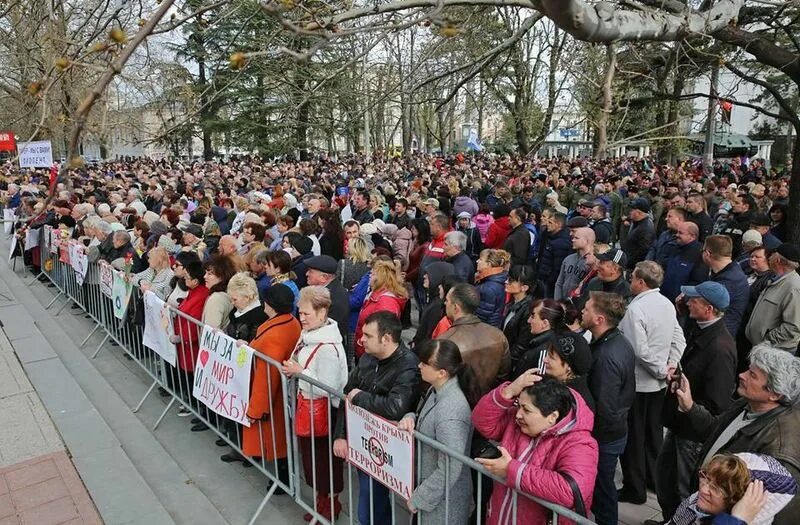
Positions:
(708, 150)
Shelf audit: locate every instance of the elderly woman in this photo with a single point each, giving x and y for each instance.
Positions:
(158, 276)
(320, 357)
(243, 325)
(545, 435)
(444, 416)
(265, 438)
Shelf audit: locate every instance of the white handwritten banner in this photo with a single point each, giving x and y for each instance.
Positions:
(55, 240)
(47, 239)
(79, 261)
(158, 328)
(32, 238)
(380, 449)
(120, 295)
(106, 278)
(222, 375)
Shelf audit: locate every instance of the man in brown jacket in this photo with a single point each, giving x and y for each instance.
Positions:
(482, 346)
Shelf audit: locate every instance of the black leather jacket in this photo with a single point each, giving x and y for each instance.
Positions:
(389, 388)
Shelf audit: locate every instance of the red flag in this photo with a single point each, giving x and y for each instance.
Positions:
(53, 176)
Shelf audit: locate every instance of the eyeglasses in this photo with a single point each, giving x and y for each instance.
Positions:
(705, 480)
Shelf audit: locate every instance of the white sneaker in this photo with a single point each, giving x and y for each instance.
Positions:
(183, 412)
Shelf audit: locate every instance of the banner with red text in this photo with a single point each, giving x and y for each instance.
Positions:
(380, 449)
(222, 375)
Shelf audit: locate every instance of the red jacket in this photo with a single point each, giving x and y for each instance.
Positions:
(497, 233)
(379, 301)
(566, 447)
(188, 331)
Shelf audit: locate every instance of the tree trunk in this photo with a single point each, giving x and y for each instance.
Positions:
(708, 150)
(601, 147)
(794, 194)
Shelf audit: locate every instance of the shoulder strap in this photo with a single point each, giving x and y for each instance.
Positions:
(311, 357)
(577, 498)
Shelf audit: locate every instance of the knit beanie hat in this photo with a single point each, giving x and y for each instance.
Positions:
(280, 298)
(573, 349)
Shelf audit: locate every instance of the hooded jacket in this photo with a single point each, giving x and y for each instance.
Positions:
(465, 204)
(328, 365)
(538, 462)
(497, 233)
(377, 301)
(492, 290)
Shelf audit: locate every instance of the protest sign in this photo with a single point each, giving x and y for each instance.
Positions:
(222, 375)
(47, 239)
(106, 278)
(55, 239)
(380, 449)
(32, 238)
(37, 154)
(158, 328)
(120, 295)
(64, 252)
(79, 261)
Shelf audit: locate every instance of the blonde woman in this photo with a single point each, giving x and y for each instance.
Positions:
(355, 264)
(158, 276)
(319, 356)
(388, 293)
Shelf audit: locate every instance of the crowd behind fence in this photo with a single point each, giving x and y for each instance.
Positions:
(90, 293)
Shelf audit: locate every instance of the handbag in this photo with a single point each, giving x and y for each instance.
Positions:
(577, 498)
(311, 409)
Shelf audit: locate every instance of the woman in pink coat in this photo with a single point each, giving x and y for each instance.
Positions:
(545, 432)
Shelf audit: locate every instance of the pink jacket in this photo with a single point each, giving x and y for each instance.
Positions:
(377, 301)
(482, 222)
(566, 447)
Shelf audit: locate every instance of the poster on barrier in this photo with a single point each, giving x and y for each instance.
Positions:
(376, 446)
(32, 238)
(47, 238)
(55, 239)
(222, 375)
(64, 253)
(106, 278)
(120, 295)
(158, 328)
(79, 261)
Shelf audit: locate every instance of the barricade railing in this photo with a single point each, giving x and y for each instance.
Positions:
(300, 458)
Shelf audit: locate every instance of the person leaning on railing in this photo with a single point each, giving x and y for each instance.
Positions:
(158, 276)
(321, 357)
(546, 448)
(443, 415)
(265, 438)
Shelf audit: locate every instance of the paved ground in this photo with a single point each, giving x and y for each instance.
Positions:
(133, 474)
(38, 482)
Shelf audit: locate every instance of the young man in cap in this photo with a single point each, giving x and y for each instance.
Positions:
(776, 315)
(610, 275)
(761, 223)
(642, 233)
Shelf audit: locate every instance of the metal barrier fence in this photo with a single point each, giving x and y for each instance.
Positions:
(283, 473)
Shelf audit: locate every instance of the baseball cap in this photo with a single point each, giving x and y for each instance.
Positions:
(713, 292)
(433, 202)
(616, 256)
(752, 237)
(578, 222)
(641, 205)
(759, 219)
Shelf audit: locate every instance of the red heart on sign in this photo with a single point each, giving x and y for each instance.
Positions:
(204, 357)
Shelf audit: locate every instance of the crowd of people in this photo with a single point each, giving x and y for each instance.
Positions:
(566, 315)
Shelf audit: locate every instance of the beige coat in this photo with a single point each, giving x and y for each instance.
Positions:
(776, 315)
